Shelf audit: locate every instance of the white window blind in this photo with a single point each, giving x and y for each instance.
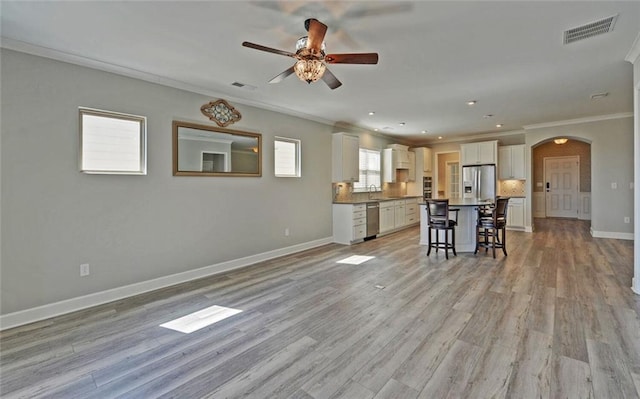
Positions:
(369, 161)
(286, 157)
(112, 143)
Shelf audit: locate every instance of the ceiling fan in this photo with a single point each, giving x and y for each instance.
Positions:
(311, 58)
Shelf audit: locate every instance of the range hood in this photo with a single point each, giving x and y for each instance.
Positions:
(395, 164)
(398, 155)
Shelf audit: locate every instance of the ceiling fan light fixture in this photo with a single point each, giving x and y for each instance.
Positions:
(303, 43)
(309, 70)
(560, 140)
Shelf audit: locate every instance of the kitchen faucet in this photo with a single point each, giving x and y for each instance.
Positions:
(372, 191)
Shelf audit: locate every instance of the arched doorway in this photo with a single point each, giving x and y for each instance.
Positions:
(561, 178)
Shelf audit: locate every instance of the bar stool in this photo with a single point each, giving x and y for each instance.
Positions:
(438, 216)
(491, 227)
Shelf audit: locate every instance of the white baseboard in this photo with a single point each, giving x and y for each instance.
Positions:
(635, 285)
(43, 312)
(528, 229)
(611, 234)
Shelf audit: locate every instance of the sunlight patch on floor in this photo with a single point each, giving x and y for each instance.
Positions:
(356, 259)
(200, 319)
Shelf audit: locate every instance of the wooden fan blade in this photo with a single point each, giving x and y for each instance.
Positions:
(267, 49)
(282, 76)
(317, 30)
(355, 58)
(331, 80)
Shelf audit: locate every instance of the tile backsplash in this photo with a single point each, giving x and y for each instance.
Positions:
(514, 188)
(345, 192)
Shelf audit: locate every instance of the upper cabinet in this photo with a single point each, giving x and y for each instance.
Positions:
(479, 153)
(345, 153)
(511, 162)
(396, 164)
(423, 160)
(412, 166)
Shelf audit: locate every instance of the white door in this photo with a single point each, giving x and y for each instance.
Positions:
(453, 180)
(561, 186)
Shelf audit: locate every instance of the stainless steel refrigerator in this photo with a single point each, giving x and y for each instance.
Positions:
(479, 182)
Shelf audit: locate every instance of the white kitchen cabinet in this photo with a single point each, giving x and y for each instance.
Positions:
(345, 156)
(412, 216)
(479, 153)
(349, 223)
(422, 169)
(400, 213)
(511, 162)
(515, 213)
(387, 216)
(412, 165)
(423, 161)
(395, 165)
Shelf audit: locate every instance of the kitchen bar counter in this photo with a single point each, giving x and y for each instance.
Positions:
(459, 202)
(465, 230)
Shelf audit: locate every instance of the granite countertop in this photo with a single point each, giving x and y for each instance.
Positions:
(383, 199)
(465, 202)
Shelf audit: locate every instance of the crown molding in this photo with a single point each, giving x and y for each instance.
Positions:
(476, 137)
(45, 52)
(588, 119)
(633, 55)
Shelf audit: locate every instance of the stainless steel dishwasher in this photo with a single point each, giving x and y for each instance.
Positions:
(373, 219)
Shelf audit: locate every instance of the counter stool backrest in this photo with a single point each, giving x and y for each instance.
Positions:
(438, 211)
(500, 212)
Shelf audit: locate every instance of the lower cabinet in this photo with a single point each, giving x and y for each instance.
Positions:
(396, 214)
(515, 214)
(349, 223)
(350, 220)
(412, 216)
(387, 216)
(400, 213)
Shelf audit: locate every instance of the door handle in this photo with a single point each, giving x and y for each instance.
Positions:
(548, 189)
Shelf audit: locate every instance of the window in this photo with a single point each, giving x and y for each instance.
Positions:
(286, 157)
(369, 171)
(453, 180)
(112, 143)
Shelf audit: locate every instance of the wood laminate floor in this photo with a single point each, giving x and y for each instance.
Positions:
(554, 319)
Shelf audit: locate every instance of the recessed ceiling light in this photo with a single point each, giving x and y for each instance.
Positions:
(471, 102)
(439, 137)
(376, 129)
(488, 116)
(402, 123)
(371, 113)
(499, 125)
(424, 132)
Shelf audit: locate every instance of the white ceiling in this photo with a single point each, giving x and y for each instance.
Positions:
(434, 56)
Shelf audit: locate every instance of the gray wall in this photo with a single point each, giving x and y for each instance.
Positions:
(611, 161)
(134, 228)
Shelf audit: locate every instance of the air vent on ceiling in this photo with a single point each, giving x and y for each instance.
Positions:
(590, 30)
(243, 86)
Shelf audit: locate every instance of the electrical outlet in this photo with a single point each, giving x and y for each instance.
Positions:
(84, 270)
(627, 219)
(286, 232)
(614, 186)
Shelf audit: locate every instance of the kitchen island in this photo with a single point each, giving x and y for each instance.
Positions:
(465, 231)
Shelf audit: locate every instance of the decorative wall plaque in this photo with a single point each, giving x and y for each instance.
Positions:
(221, 112)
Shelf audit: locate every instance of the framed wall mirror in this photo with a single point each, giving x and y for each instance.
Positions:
(201, 150)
